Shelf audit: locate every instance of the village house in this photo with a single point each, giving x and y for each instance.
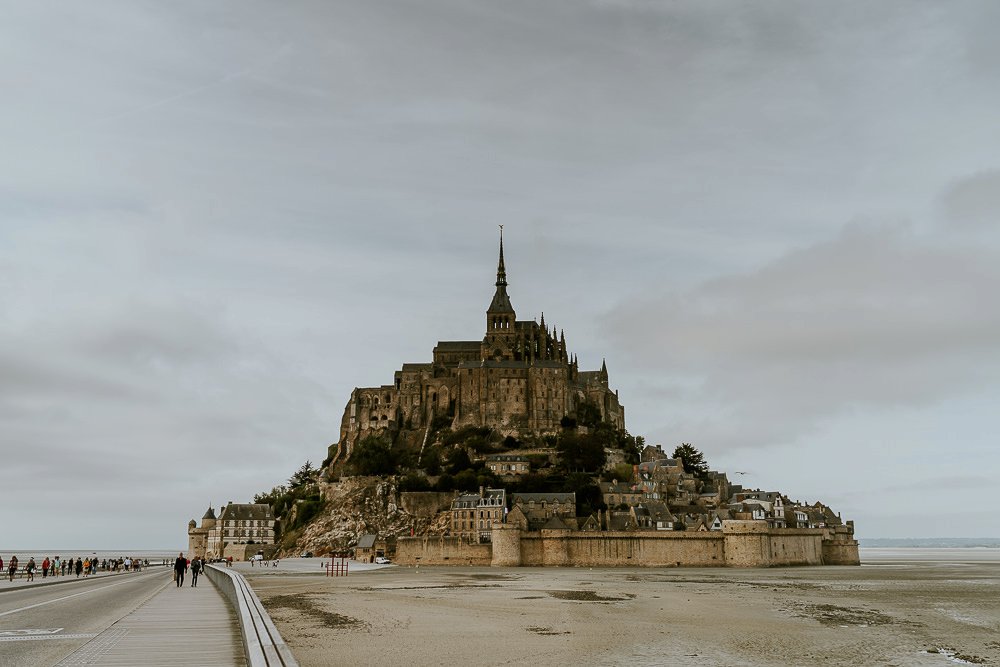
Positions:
(538, 508)
(508, 465)
(473, 515)
(365, 549)
(615, 494)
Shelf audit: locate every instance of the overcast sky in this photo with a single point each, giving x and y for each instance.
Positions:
(777, 221)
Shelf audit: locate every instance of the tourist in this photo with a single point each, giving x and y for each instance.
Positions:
(78, 567)
(29, 569)
(1, 563)
(195, 569)
(12, 568)
(46, 564)
(56, 564)
(180, 566)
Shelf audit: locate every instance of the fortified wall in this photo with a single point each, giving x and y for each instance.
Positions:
(738, 544)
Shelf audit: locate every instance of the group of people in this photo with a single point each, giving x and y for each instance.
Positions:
(182, 565)
(81, 566)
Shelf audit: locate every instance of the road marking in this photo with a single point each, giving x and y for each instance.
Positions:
(35, 638)
(91, 652)
(30, 631)
(67, 597)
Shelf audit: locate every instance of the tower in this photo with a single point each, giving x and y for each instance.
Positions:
(500, 317)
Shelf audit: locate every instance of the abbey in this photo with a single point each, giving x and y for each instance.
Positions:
(520, 379)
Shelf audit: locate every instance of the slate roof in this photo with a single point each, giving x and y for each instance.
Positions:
(544, 497)
(246, 512)
(418, 367)
(459, 345)
(366, 541)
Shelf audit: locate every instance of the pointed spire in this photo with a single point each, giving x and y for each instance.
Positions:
(542, 323)
(501, 270)
(501, 302)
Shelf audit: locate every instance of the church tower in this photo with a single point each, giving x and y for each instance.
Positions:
(500, 317)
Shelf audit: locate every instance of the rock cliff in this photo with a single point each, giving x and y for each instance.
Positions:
(360, 505)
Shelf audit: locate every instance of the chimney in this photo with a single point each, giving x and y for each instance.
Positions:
(482, 493)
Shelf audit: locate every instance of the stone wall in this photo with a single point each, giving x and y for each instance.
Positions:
(441, 550)
(614, 549)
(841, 548)
(739, 544)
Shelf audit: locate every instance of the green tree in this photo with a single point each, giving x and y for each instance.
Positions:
(694, 460)
(588, 494)
(445, 483)
(581, 453)
(304, 475)
(467, 480)
(414, 481)
(373, 456)
(458, 460)
(622, 472)
(588, 414)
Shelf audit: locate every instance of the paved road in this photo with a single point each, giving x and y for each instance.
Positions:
(43, 624)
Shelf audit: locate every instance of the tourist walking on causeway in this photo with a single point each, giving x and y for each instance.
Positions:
(195, 569)
(12, 568)
(180, 565)
(45, 567)
(30, 569)
(79, 567)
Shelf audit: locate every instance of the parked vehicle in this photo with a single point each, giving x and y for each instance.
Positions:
(382, 560)
(307, 554)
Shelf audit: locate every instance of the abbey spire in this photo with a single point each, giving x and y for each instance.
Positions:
(501, 302)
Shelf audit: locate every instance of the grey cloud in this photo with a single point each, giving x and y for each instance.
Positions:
(872, 317)
(974, 202)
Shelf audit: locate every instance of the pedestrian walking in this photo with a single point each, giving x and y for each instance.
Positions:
(30, 568)
(180, 566)
(46, 564)
(12, 567)
(195, 571)
(78, 567)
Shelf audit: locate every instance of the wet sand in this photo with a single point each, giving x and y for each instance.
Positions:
(887, 613)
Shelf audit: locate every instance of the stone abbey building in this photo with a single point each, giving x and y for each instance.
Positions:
(519, 379)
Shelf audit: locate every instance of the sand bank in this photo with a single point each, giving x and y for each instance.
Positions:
(890, 613)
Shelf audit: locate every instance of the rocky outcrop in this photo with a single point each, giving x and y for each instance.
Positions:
(365, 505)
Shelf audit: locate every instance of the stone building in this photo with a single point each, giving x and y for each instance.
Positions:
(539, 508)
(508, 465)
(198, 535)
(520, 378)
(473, 515)
(240, 524)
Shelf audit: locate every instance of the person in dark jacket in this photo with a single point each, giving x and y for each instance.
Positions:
(196, 569)
(180, 567)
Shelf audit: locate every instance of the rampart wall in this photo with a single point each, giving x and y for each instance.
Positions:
(441, 550)
(738, 544)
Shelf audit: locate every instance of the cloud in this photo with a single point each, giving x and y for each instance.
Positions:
(876, 316)
(974, 202)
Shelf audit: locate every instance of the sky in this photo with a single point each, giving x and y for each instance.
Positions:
(776, 221)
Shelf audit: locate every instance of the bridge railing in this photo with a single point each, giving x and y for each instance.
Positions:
(262, 643)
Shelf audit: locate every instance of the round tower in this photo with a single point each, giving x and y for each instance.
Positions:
(506, 540)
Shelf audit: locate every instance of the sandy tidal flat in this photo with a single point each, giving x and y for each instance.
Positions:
(892, 613)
